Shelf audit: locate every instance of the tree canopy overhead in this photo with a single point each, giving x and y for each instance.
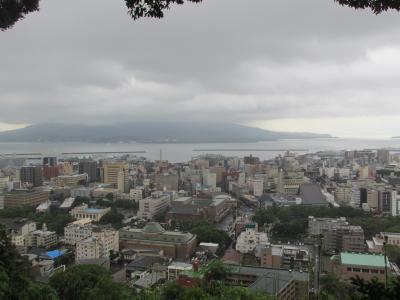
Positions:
(12, 11)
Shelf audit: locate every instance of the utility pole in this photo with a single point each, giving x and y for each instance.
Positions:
(385, 257)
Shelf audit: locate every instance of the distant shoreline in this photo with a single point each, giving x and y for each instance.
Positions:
(174, 142)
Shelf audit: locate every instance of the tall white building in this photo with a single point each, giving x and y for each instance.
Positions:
(249, 239)
(157, 203)
(258, 187)
(242, 178)
(77, 231)
(98, 245)
(210, 179)
(4, 183)
(136, 194)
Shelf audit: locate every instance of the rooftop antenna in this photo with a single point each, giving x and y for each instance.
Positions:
(160, 155)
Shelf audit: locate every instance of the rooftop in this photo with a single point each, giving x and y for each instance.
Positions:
(311, 194)
(14, 223)
(363, 259)
(153, 227)
(152, 232)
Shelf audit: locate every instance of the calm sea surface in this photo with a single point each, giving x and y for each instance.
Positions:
(184, 152)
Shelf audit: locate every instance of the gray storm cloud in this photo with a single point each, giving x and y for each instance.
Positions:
(230, 60)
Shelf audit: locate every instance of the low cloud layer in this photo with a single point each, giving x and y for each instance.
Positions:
(251, 62)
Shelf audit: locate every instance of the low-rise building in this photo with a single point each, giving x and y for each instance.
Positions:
(72, 180)
(282, 284)
(174, 244)
(23, 233)
(154, 205)
(376, 244)
(25, 198)
(317, 226)
(84, 212)
(364, 265)
(176, 268)
(19, 230)
(43, 238)
(249, 239)
(291, 257)
(212, 209)
(81, 192)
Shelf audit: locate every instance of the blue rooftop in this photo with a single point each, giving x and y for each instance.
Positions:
(55, 253)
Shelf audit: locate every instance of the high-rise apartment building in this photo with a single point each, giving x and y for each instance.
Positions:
(383, 156)
(50, 161)
(89, 167)
(112, 174)
(32, 175)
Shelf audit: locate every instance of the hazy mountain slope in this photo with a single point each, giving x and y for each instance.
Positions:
(148, 132)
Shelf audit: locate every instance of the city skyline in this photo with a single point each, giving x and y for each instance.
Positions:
(280, 66)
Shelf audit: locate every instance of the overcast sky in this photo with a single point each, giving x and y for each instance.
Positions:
(292, 65)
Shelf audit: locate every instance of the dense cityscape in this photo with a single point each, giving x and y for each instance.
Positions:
(289, 227)
(199, 150)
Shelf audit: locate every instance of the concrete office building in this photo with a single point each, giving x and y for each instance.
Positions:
(249, 239)
(77, 231)
(212, 209)
(32, 175)
(111, 172)
(282, 284)
(25, 197)
(89, 167)
(156, 204)
(366, 266)
(258, 187)
(344, 239)
(166, 182)
(210, 179)
(23, 233)
(175, 245)
(317, 226)
(376, 244)
(98, 245)
(43, 238)
(292, 257)
(383, 156)
(72, 180)
(136, 194)
(81, 192)
(388, 203)
(19, 230)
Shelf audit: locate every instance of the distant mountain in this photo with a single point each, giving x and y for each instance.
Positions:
(149, 132)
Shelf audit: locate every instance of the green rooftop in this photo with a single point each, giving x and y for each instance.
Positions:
(363, 259)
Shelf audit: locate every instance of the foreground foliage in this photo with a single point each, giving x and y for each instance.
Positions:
(332, 287)
(12, 11)
(15, 283)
